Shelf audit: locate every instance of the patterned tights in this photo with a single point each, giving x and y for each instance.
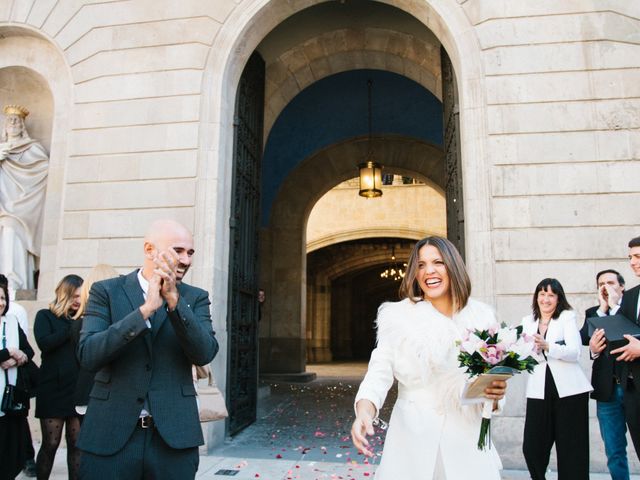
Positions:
(51, 436)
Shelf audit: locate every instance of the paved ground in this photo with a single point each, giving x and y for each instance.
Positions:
(302, 433)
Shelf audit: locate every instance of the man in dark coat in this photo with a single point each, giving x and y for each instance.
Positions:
(606, 377)
(142, 333)
(629, 355)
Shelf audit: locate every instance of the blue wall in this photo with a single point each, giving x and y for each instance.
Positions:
(334, 109)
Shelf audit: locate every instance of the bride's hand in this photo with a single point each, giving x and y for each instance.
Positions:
(497, 390)
(362, 426)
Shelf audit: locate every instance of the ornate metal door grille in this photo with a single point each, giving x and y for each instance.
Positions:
(242, 319)
(452, 156)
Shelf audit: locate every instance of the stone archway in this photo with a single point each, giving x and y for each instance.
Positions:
(244, 29)
(283, 259)
(336, 51)
(330, 328)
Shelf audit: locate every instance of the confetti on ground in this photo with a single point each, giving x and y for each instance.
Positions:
(309, 426)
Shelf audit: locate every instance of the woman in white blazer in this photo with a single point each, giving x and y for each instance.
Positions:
(558, 389)
(431, 435)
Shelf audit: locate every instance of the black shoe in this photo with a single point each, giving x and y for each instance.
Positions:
(29, 468)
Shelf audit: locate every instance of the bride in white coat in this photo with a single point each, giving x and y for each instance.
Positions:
(431, 435)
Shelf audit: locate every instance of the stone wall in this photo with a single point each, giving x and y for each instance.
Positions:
(562, 97)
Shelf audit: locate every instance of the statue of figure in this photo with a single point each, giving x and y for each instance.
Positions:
(23, 179)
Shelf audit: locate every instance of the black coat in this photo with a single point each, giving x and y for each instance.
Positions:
(628, 308)
(13, 430)
(135, 364)
(59, 369)
(603, 367)
(85, 377)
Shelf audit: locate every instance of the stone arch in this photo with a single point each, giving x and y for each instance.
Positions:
(26, 48)
(283, 242)
(338, 262)
(337, 51)
(245, 27)
(412, 233)
(335, 218)
(351, 261)
(401, 155)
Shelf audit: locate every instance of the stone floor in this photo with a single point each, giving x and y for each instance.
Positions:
(302, 433)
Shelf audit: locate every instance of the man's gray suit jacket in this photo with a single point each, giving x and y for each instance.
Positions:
(135, 364)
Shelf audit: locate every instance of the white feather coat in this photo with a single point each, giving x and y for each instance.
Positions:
(431, 435)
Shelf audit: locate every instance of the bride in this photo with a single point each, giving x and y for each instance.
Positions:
(431, 435)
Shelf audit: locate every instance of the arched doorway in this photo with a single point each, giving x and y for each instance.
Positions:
(407, 137)
(290, 295)
(344, 289)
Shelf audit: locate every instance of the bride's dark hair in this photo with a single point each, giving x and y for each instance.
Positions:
(459, 281)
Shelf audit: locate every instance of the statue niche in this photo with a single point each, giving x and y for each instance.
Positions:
(24, 165)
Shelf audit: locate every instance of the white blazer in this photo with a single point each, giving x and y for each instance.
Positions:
(431, 434)
(565, 344)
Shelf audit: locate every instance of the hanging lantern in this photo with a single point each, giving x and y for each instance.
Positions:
(370, 171)
(370, 179)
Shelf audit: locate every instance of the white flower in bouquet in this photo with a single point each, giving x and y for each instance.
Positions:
(524, 347)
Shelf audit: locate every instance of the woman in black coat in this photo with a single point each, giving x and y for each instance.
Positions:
(15, 352)
(58, 377)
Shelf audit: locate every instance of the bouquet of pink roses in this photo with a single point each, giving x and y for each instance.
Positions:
(498, 352)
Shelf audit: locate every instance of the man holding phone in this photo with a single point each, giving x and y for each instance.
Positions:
(142, 333)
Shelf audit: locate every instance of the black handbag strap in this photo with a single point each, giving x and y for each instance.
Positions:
(4, 345)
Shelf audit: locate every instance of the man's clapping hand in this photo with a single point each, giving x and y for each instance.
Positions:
(166, 265)
(163, 284)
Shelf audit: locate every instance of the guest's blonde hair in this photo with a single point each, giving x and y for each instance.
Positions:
(459, 281)
(102, 271)
(65, 291)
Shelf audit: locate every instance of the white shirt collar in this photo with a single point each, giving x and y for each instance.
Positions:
(144, 284)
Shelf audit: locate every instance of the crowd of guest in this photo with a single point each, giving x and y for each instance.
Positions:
(557, 390)
(75, 349)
